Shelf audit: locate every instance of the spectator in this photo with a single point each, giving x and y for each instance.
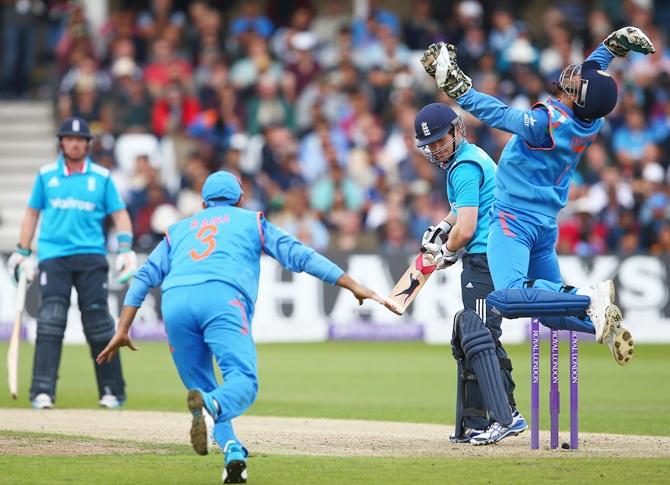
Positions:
(173, 111)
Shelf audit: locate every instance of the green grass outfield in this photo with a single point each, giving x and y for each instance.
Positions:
(377, 381)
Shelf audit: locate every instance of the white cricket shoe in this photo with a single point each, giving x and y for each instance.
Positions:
(606, 318)
(110, 401)
(42, 401)
(602, 311)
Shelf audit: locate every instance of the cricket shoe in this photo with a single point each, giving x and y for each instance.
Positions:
(110, 401)
(497, 431)
(42, 401)
(620, 342)
(468, 434)
(235, 469)
(602, 311)
(201, 404)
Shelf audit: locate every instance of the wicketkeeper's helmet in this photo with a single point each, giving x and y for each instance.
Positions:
(432, 123)
(592, 89)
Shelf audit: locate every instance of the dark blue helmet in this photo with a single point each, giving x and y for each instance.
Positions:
(432, 123)
(74, 127)
(593, 91)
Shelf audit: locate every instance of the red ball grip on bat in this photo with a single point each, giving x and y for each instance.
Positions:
(425, 269)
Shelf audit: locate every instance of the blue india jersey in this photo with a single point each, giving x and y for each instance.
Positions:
(538, 162)
(537, 179)
(73, 207)
(224, 243)
(471, 183)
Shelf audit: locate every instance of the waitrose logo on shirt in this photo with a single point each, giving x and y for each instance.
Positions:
(72, 203)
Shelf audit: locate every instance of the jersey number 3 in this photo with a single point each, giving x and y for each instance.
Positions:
(206, 236)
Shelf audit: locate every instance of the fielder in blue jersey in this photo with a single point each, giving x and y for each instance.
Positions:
(532, 185)
(208, 265)
(73, 196)
(484, 384)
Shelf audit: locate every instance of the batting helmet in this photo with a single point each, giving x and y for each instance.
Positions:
(431, 124)
(74, 127)
(593, 91)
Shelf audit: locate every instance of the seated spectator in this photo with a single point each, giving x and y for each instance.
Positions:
(631, 140)
(250, 19)
(421, 29)
(130, 104)
(325, 191)
(268, 107)
(329, 22)
(173, 111)
(246, 72)
(161, 15)
(582, 234)
(348, 235)
(165, 68)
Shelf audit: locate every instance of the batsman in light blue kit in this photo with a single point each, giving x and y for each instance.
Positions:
(532, 186)
(73, 196)
(484, 386)
(208, 265)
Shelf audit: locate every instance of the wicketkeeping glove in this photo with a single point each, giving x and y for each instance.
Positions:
(439, 61)
(434, 237)
(627, 39)
(445, 257)
(21, 262)
(125, 266)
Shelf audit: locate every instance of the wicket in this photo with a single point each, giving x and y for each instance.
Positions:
(554, 395)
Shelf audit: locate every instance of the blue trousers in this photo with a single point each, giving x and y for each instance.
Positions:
(522, 254)
(213, 320)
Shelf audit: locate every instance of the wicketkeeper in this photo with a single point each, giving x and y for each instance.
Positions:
(485, 389)
(533, 184)
(74, 196)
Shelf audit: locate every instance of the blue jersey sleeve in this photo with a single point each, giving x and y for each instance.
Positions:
(37, 196)
(113, 201)
(150, 275)
(602, 56)
(297, 257)
(466, 179)
(531, 125)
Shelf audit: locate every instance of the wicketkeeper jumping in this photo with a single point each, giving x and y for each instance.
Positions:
(532, 186)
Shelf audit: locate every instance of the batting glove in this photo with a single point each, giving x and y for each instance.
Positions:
(434, 237)
(627, 39)
(125, 266)
(440, 62)
(21, 262)
(445, 257)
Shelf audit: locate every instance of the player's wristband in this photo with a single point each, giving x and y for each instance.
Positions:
(125, 241)
(23, 251)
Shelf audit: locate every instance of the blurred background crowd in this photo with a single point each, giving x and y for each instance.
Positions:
(312, 104)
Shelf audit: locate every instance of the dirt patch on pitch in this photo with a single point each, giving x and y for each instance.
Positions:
(36, 445)
(303, 436)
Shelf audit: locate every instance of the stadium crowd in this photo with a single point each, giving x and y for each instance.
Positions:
(315, 111)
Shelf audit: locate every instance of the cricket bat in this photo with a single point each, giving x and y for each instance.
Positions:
(13, 351)
(409, 284)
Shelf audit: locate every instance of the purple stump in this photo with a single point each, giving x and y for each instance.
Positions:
(534, 384)
(554, 396)
(574, 391)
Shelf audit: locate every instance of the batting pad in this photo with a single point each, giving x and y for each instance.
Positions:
(480, 351)
(536, 302)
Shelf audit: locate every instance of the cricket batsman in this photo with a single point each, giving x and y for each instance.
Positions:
(485, 389)
(74, 196)
(532, 185)
(208, 265)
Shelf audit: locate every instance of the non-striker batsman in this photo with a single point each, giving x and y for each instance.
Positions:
(74, 195)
